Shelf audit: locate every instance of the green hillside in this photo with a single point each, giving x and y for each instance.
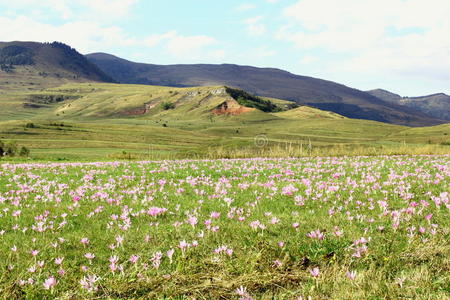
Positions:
(436, 105)
(267, 82)
(103, 121)
(27, 66)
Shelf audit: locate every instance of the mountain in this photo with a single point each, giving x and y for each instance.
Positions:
(267, 82)
(436, 105)
(31, 65)
(386, 95)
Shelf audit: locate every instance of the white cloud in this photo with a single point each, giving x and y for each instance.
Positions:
(109, 8)
(263, 52)
(244, 7)
(403, 36)
(254, 27)
(83, 35)
(217, 54)
(80, 9)
(308, 59)
(188, 46)
(155, 39)
(88, 37)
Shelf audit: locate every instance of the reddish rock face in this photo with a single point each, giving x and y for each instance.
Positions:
(230, 107)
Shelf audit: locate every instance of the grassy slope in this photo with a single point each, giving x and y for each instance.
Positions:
(105, 119)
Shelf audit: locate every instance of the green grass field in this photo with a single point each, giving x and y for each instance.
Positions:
(103, 121)
(325, 228)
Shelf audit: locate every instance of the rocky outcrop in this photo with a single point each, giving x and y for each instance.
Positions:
(230, 107)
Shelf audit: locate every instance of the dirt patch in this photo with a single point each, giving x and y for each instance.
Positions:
(230, 108)
(140, 110)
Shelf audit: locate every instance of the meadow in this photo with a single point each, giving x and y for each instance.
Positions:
(289, 228)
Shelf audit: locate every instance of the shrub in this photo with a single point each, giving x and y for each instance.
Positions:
(24, 152)
(167, 105)
(10, 149)
(2, 148)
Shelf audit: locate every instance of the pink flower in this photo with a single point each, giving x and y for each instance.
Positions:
(316, 234)
(59, 260)
(89, 256)
(314, 272)
(351, 275)
(155, 211)
(119, 240)
(192, 221)
(242, 291)
(84, 241)
(288, 190)
(170, 254)
(133, 258)
(114, 259)
(277, 263)
(156, 259)
(88, 283)
(183, 245)
(215, 215)
(49, 283)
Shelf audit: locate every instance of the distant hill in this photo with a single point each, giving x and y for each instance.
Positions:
(30, 65)
(267, 82)
(436, 105)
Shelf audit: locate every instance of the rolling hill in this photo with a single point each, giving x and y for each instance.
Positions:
(103, 121)
(31, 66)
(436, 105)
(267, 82)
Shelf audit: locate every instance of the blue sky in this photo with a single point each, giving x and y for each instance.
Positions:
(399, 45)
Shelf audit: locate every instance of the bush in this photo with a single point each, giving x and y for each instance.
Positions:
(2, 148)
(24, 152)
(11, 149)
(167, 105)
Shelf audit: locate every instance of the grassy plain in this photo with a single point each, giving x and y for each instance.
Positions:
(104, 121)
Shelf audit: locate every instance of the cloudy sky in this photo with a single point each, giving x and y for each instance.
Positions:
(399, 45)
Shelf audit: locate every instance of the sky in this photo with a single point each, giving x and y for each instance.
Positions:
(399, 45)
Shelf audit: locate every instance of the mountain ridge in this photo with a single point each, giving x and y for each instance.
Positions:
(436, 105)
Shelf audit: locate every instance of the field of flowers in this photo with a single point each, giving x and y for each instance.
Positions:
(325, 228)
